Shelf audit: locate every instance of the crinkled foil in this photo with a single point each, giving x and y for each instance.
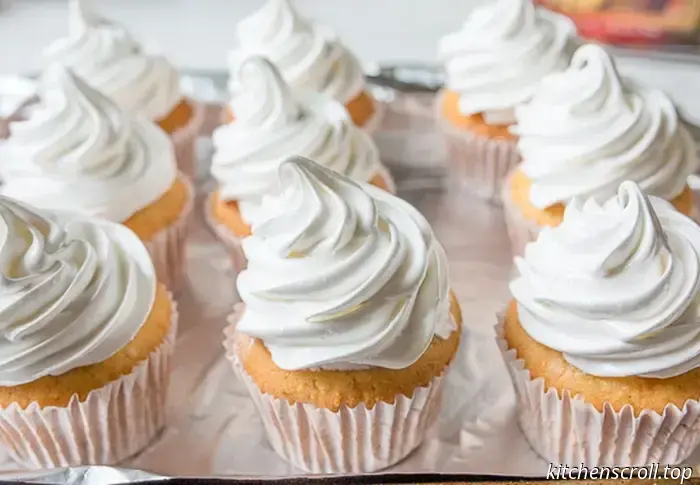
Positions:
(213, 428)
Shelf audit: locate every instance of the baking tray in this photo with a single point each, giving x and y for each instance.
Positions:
(213, 429)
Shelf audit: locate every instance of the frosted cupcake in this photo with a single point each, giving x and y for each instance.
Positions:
(585, 132)
(273, 124)
(603, 335)
(310, 58)
(493, 64)
(105, 55)
(347, 325)
(86, 342)
(79, 152)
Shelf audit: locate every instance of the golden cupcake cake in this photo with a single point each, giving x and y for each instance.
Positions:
(87, 340)
(347, 326)
(586, 131)
(78, 151)
(274, 123)
(112, 61)
(602, 337)
(494, 63)
(310, 57)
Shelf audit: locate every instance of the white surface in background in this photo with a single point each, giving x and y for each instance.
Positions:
(197, 34)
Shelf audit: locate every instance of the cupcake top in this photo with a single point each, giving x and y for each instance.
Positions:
(615, 287)
(308, 56)
(500, 55)
(587, 130)
(342, 275)
(77, 151)
(271, 125)
(73, 292)
(112, 61)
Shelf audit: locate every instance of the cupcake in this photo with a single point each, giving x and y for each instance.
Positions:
(108, 58)
(602, 337)
(310, 57)
(272, 124)
(347, 325)
(87, 338)
(493, 64)
(585, 132)
(77, 151)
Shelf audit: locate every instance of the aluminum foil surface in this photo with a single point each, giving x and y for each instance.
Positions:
(213, 428)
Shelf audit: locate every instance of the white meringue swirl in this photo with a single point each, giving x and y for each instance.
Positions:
(342, 274)
(271, 125)
(615, 287)
(112, 61)
(587, 130)
(498, 58)
(79, 152)
(73, 291)
(309, 57)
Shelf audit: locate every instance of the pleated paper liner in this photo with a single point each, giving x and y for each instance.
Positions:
(566, 430)
(168, 247)
(351, 440)
(185, 141)
(113, 423)
(478, 164)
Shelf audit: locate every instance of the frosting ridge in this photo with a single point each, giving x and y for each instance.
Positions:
(342, 274)
(309, 57)
(78, 151)
(498, 57)
(106, 55)
(615, 287)
(73, 291)
(273, 123)
(587, 130)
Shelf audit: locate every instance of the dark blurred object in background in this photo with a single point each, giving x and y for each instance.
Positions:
(634, 22)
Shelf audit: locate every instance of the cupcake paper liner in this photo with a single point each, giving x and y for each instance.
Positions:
(409, 134)
(168, 247)
(521, 230)
(113, 423)
(479, 164)
(351, 440)
(566, 430)
(232, 243)
(185, 141)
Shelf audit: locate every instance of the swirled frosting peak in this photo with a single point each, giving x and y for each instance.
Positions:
(78, 151)
(73, 291)
(273, 124)
(112, 61)
(342, 274)
(308, 56)
(264, 99)
(501, 53)
(587, 130)
(615, 287)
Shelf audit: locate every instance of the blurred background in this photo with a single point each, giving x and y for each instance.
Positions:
(197, 34)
